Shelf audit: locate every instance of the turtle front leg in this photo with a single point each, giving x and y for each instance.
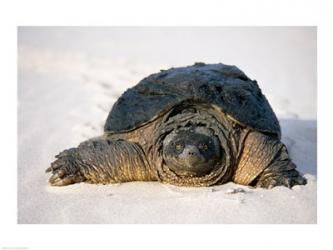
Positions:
(281, 172)
(100, 160)
(264, 162)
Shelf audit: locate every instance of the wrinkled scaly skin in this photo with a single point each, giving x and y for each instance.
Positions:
(247, 157)
(200, 125)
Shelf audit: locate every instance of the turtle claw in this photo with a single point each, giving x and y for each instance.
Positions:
(57, 175)
(272, 184)
(281, 180)
(67, 180)
(300, 180)
(64, 170)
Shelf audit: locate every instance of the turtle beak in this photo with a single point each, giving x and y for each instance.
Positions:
(192, 156)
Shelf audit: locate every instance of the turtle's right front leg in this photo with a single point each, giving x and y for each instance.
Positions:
(100, 160)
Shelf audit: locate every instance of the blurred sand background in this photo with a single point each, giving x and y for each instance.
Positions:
(68, 79)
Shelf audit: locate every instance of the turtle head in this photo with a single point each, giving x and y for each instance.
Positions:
(191, 151)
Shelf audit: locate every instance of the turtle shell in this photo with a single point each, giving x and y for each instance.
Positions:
(225, 86)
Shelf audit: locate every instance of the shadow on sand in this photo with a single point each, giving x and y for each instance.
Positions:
(300, 137)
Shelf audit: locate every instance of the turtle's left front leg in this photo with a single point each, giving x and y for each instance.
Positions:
(264, 162)
(100, 160)
(281, 172)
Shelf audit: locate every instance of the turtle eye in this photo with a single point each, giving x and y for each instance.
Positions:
(178, 146)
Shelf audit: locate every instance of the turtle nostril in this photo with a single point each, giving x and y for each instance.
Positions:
(191, 152)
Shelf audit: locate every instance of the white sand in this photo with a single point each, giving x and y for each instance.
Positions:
(69, 80)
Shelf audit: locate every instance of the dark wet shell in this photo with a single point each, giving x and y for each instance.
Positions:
(224, 86)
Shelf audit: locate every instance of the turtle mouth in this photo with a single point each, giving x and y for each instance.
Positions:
(192, 161)
(197, 166)
(192, 167)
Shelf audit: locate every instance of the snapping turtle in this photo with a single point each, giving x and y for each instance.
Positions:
(200, 125)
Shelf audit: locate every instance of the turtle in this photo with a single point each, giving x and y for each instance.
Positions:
(197, 126)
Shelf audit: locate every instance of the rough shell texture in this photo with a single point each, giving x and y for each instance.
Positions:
(222, 85)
